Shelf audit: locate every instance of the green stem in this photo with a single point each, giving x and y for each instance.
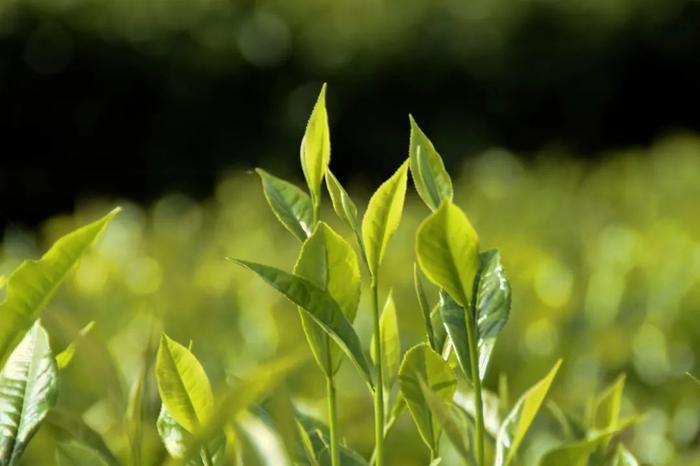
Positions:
(379, 384)
(332, 420)
(476, 381)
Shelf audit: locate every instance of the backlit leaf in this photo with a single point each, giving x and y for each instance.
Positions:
(391, 343)
(343, 205)
(316, 146)
(427, 169)
(291, 205)
(383, 216)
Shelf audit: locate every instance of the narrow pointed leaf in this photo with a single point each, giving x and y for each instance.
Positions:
(177, 440)
(28, 390)
(74, 454)
(316, 146)
(183, 385)
(383, 216)
(64, 358)
(623, 457)
(606, 411)
(427, 169)
(343, 205)
(291, 205)
(422, 363)
(328, 261)
(447, 248)
(579, 452)
(391, 343)
(33, 283)
(520, 418)
(320, 306)
(448, 420)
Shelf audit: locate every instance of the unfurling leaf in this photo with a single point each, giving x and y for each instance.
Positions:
(383, 217)
(316, 147)
(291, 205)
(427, 169)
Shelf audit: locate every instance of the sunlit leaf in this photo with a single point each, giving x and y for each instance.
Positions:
(33, 283)
(424, 308)
(316, 146)
(383, 216)
(320, 306)
(518, 421)
(183, 385)
(328, 261)
(447, 248)
(427, 169)
(291, 205)
(28, 390)
(391, 343)
(422, 363)
(343, 205)
(606, 409)
(579, 452)
(177, 440)
(448, 420)
(64, 358)
(623, 457)
(74, 454)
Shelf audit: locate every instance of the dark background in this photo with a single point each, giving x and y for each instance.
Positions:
(86, 109)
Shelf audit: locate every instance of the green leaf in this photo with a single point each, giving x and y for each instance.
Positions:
(518, 421)
(624, 458)
(447, 248)
(328, 261)
(391, 343)
(291, 205)
(261, 439)
(75, 454)
(319, 438)
(427, 169)
(606, 410)
(316, 147)
(177, 440)
(422, 363)
(64, 358)
(69, 425)
(33, 283)
(343, 205)
(28, 390)
(579, 452)
(348, 457)
(424, 307)
(449, 421)
(183, 385)
(320, 306)
(383, 216)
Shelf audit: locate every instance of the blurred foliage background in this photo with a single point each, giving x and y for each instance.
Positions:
(568, 126)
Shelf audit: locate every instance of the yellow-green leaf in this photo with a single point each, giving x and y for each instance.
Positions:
(623, 457)
(64, 358)
(75, 454)
(183, 385)
(518, 421)
(291, 205)
(391, 343)
(449, 420)
(422, 363)
(383, 216)
(606, 409)
(447, 248)
(345, 208)
(427, 169)
(316, 147)
(33, 283)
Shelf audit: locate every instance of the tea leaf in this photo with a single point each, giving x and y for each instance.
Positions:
(391, 343)
(291, 205)
(449, 421)
(316, 147)
(422, 363)
(328, 261)
(424, 307)
(427, 169)
(74, 454)
(320, 306)
(64, 424)
(28, 390)
(343, 205)
(64, 358)
(518, 421)
(624, 458)
(177, 440)
(606, 411)
(447, 248)
(33, 283)
(183, 385)
(383, 216)
(577, 453)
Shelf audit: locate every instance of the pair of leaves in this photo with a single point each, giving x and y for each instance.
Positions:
(33, 283)
(28, 390)
(493, 301)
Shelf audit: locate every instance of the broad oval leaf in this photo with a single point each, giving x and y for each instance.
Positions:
(33, 283)
(328, 261)
(391, 342)
(422, 363)
(177, 440)
(383, 216)
(28, 390)
(75, 454)
(183, 385)
(320, 306)
(291, 205)
(518, 421)
(432, 181)
(447, 248)
(316, 147)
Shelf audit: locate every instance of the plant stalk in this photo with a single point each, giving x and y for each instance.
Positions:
(379, 383)
(333, 420)
(476, 382)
